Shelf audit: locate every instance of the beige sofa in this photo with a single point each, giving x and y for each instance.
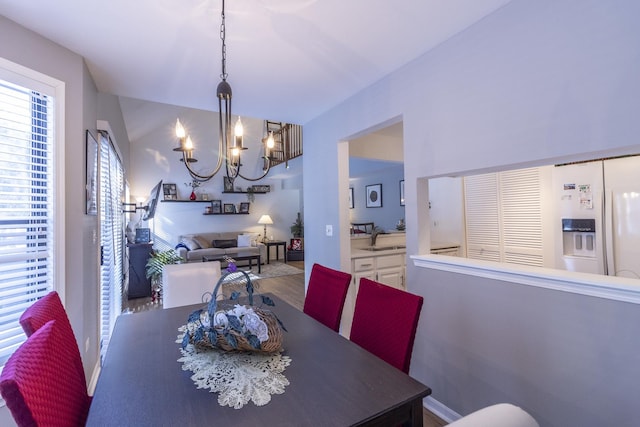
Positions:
(193, 247)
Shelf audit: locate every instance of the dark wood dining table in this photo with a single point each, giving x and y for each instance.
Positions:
(333, 382)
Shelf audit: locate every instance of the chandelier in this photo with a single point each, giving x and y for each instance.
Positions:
(230, 146)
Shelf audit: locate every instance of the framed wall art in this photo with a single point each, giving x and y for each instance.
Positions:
(216, 206)
(91, 184)
(244, 207)
(374, 196)
(170, 191)
(229, 208)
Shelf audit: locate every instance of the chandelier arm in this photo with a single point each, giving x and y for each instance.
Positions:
(266, 171)
(202, 178)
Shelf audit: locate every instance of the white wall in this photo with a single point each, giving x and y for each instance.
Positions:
(532, 83)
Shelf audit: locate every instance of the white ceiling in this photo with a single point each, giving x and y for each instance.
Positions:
(287, 60)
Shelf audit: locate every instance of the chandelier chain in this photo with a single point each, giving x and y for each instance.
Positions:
(223, 37)
(226, 151)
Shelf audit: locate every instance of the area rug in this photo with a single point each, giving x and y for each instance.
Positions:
(276, 269)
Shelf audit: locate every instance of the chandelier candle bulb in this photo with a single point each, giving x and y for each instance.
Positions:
(239, 132)
(270, 141)
(180, 133)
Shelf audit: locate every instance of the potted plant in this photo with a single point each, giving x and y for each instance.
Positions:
(156, 261)
(297, 229)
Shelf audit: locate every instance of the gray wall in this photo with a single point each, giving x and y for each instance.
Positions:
(80, 260)
(533, 83)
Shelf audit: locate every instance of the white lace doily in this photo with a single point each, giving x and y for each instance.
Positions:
(237, 377)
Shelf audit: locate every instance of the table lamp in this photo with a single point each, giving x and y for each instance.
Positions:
(265, 219)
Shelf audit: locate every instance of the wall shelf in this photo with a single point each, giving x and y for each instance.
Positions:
(227, 213)
(186, 201)
(244, 192)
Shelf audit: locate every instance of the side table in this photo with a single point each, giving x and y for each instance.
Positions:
(277, 244)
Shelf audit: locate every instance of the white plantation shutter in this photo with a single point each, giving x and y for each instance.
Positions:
(503, 217)
(521, 216)
(27, 228)
(112, 238)
(482, 217)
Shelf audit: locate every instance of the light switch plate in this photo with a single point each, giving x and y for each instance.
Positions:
(329, 230)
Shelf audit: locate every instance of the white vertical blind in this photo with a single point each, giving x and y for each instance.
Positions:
(112, 238)
(26, 207)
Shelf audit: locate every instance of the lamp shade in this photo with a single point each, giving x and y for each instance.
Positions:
(265, 219)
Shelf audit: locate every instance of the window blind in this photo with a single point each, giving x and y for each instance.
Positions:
(112, 238)
(26, 207)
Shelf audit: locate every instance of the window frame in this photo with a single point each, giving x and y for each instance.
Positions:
(39, 82)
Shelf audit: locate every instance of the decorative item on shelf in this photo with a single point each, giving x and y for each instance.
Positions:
(193, 184)
(208, 210)
(265, 219)
(157, 260)
(229, 146)
(170, 192)
(297, 229)
(238, 328)
(251, 196)
(261, 188)
(400, 226)
(216, 206)
(228, 184)
(229, 208)
(244, 207)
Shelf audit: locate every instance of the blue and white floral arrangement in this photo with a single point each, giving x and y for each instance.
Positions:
(241, 328)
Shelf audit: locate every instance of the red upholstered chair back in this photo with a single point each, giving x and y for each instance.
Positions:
(385, 322)
(326, 293)
(40, 383)
(49, 308)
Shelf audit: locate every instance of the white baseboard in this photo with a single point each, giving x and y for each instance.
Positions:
(94, 378)
(440, 410)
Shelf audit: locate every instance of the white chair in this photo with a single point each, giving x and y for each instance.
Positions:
(185, 284)
(499, 415)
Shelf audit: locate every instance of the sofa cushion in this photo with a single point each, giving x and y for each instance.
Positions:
(203, 242)
(253, 237)
(225, 243)
(244, 240)
(190, 243)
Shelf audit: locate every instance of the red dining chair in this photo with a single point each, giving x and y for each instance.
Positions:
(385, 322)
(49, 308)
(326, 294)
(40, 384)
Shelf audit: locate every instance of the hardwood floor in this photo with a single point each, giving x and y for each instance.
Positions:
(290, 289)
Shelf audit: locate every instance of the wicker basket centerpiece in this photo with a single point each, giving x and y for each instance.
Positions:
(229, 326)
